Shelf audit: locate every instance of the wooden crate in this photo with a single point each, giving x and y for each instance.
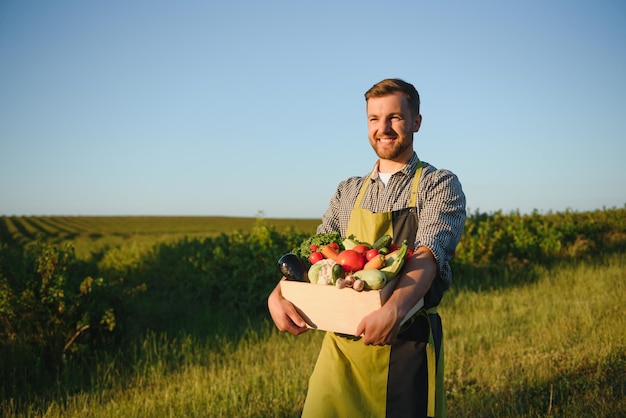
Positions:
(327, 308)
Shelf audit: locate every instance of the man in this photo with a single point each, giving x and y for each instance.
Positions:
(393, 369)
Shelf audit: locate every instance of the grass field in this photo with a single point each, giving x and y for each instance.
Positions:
(551, 341)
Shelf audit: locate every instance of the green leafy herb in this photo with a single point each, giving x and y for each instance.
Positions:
(304, 249)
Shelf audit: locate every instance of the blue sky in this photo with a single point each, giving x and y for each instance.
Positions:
(240, 107)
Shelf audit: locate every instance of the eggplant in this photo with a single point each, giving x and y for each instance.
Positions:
(292, 267)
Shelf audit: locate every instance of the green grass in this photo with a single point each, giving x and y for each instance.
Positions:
(259, 376)
(551, 345)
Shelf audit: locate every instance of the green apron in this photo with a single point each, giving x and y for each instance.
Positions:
(351, 379)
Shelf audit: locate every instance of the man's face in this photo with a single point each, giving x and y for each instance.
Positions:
(391, 125)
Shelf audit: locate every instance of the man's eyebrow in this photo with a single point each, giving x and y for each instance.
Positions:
(394, 114)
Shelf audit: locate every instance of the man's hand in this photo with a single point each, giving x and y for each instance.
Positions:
(284, 314)
(381, 326)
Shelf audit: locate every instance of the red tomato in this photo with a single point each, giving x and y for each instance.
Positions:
(313, 247)
(334, 246)
(393, 247)
(409, 252)
(315, 257)
(361, 249)
(350, 260)
(371, 254)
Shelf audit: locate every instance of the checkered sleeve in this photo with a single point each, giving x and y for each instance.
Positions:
(340, 207)
(441, 218)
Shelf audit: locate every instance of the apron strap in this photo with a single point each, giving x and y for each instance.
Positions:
(416, 182)
(359, 198)
(431, 363)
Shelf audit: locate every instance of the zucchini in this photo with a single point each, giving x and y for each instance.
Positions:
(374, 279)
(397, 262)
(382, 242)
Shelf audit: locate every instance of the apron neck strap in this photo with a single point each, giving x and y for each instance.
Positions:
(416, 182)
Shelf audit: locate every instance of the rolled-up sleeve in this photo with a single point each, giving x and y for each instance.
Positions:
(441, 218)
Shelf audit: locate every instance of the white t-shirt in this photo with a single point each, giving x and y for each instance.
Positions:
(384, 177)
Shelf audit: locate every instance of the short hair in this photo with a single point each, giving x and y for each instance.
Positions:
(393, 85)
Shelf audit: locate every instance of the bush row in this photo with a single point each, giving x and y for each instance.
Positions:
(495, 238)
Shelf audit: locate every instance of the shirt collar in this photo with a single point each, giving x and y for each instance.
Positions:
(408, 169)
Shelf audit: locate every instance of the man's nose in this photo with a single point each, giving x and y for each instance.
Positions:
(385, 126)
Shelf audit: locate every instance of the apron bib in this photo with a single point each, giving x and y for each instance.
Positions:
(351, 379)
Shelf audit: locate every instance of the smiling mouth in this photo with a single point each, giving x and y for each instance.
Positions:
(386, 140)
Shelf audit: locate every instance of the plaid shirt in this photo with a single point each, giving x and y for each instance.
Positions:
(440, 207)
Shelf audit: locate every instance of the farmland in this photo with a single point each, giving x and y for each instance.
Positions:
(91, 234)
(166, 316)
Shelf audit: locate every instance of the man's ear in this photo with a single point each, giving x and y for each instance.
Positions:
(417, 122)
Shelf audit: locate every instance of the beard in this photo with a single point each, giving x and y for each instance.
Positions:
(392, 151)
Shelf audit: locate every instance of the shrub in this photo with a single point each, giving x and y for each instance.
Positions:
(49, 314)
